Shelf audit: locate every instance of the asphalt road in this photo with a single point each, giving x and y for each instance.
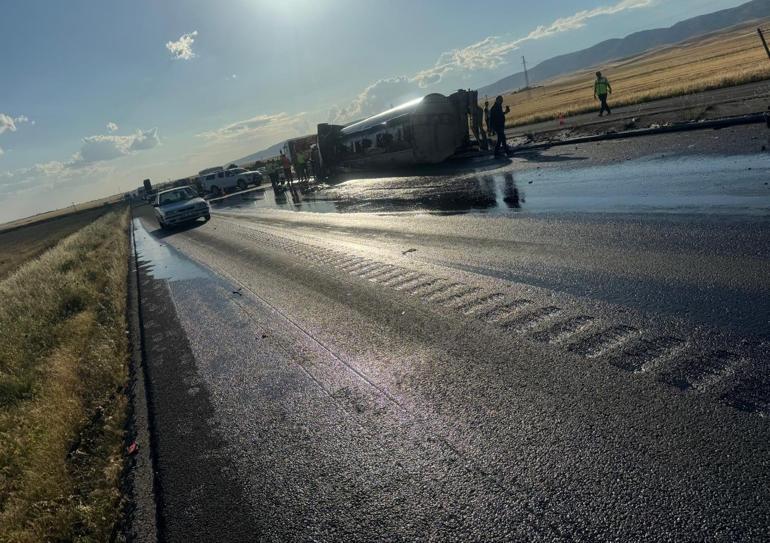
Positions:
(467, 356)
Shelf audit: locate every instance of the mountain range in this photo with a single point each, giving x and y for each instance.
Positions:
(270, 152)
(632, 44)
(605, 51)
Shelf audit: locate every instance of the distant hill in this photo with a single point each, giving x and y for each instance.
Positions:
(633, 44)
(260, 155)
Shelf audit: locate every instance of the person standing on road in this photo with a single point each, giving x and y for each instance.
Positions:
(602, 88)
(497, 119)
(286, 168)
(301, 166)
(273, 170)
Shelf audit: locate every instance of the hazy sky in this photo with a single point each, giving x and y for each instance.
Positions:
(96, 95)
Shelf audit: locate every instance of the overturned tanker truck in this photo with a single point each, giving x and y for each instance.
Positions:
(428, 130)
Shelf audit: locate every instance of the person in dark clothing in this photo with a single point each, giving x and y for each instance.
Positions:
(274, 171)
(602, 88)
(286, 168)
(497, 120)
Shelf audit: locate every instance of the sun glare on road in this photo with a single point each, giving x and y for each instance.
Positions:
(360, 270)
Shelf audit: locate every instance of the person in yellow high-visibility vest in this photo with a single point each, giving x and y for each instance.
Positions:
(602, 88)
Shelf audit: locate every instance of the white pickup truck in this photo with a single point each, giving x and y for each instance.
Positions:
(221, 181)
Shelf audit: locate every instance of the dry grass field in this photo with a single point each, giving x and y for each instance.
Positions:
(65, 211)
(23, 243)
(63, 371)
(718, 60)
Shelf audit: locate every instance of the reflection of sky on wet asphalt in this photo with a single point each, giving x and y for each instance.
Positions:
(691, 184)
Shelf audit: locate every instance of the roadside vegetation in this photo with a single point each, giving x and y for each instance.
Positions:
(63, 370)
(716, 61)
(20, 242)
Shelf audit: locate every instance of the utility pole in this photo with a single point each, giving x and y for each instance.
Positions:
(764, 41)
(526, 74)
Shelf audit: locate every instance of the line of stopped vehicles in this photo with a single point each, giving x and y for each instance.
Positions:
(428, 130)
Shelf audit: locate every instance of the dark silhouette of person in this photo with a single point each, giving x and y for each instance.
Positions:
(602, 88)
(497, 118)
(487, 124)
(286, 168)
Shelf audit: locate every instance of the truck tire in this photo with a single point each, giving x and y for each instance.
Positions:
(241, 184)
(216, 191)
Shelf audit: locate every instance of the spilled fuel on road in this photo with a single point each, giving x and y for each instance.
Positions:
(720, 185)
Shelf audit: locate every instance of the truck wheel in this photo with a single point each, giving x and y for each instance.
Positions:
(215, 190)
(241, 184)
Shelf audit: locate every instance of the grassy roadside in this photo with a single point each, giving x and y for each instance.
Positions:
(720, 60)
(24, 243)
(63, 367)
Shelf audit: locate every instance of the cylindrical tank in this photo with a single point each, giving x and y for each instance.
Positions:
(434, 125)
(424, 131)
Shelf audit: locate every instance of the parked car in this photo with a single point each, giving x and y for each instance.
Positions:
(177, 206)
(219, 182)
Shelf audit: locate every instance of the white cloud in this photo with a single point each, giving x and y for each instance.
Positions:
(108, 146)
(47, 175)
(278, 125)
(1, 151)
(487, 54)
(182, 48)
(112, 127)
(10, 124)
(579, 19)
(493, 51)
(377, 97)
(89, 166)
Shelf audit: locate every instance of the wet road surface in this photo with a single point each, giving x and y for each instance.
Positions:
(523, 368)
